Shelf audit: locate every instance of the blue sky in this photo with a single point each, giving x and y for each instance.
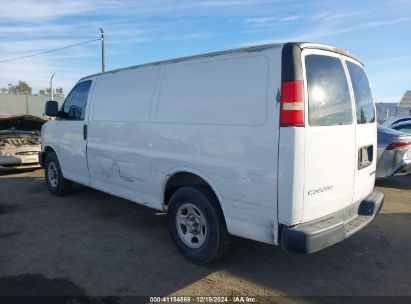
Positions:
(379, 32)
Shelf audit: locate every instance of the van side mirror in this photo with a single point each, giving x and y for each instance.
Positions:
(52, 108)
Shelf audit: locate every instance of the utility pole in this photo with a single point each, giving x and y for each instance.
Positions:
(103, 60)
(51, 85)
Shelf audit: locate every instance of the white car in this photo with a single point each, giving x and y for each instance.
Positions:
(275, 143)
(20, 141)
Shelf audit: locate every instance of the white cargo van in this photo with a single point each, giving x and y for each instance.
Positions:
(275, 143)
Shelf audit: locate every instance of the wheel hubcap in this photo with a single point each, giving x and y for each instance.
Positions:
(53, 174)
(191, 225)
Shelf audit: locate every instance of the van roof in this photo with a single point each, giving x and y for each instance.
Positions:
(257, 48)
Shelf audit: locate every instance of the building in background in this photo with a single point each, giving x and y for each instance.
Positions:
(394, 109)
(404, 106)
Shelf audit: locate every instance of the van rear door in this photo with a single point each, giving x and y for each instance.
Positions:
(366, 130)
(330, 129)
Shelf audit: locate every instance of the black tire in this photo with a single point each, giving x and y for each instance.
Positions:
(55, 181)
(217, 239)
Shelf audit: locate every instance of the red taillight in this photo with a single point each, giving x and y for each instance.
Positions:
(399, 145)
(292, 103)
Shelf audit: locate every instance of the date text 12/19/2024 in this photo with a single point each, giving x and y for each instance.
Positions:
(203, 299)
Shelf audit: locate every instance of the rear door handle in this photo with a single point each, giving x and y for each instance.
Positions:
(365, 156)
(85, 132)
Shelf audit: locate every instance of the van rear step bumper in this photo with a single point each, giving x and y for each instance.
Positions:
(318, 234)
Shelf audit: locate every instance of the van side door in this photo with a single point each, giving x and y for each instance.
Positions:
(72, 134)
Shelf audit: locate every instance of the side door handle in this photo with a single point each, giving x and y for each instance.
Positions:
(85, 132)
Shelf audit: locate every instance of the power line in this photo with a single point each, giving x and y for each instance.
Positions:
(50, 51)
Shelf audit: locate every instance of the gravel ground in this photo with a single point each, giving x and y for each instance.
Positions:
(92, 243)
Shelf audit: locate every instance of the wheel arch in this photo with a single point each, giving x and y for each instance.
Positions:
(42, 155)
(48, 149)
(182, 177)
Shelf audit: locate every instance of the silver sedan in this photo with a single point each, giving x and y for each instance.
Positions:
(394, 150)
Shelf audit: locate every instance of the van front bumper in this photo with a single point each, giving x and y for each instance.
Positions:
(318, 234)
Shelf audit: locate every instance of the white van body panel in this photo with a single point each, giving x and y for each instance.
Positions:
(119, 141)
(217, 116)
(291, 166)
(206, 116)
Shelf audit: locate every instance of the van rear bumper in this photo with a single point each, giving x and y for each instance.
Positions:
(318, 234)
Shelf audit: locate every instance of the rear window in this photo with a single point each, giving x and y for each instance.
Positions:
(329, 100)
(364, 103)
(404, 128)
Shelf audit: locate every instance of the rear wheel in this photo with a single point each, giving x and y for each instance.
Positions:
(55, 181)
(197, 225)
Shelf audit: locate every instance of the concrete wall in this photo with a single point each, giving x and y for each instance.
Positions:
(24, 104)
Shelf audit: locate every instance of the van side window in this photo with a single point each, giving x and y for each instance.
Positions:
(74, 106)
(329, 101)
(362, 93)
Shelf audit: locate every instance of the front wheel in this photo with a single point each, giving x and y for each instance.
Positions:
(55, 181)
(197, 225)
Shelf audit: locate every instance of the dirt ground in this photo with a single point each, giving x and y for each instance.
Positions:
(91, 243)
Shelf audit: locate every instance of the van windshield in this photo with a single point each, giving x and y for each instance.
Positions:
(364, 103)
(329, 101)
